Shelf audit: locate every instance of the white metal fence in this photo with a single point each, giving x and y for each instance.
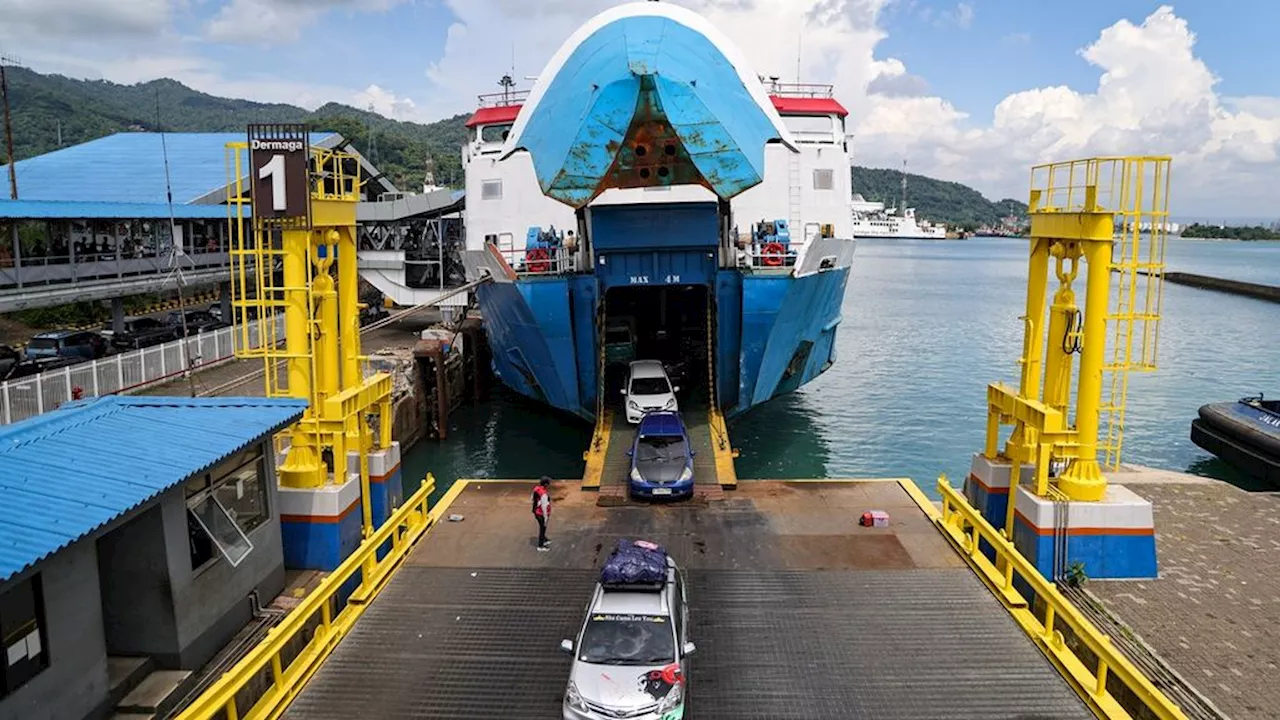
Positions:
(122, 373)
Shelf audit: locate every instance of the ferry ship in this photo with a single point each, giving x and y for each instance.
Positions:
(870, 219)
(652, 193)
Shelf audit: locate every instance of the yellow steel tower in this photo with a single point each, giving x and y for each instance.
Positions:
(1112, 215)
(297, 264)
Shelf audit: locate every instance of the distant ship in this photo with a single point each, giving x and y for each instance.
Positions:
(870, 219)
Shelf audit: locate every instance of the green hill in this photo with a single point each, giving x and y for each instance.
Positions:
(935, 200)
(89, 109)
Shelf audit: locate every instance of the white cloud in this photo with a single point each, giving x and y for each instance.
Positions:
(276, 21)
(1153, 94)
(81, 19)
(385, 103)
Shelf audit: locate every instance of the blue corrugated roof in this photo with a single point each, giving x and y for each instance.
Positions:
(67, 473)
(129, 168)
(69, 209)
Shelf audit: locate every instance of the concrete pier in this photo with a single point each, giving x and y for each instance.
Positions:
(1233, 287)
(1213, 615)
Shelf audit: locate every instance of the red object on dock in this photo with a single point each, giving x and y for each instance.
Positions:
(874, 518)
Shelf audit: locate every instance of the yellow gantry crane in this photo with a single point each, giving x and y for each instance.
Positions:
(296, 263)
(1110, 213)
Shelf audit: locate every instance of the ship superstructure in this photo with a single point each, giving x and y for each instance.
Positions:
(651, 182)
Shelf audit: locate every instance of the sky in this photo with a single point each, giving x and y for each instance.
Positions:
(974, 91)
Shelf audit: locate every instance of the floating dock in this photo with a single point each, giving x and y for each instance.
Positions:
(798, 612)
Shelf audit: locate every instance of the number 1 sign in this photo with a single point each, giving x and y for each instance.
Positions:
(278, 161)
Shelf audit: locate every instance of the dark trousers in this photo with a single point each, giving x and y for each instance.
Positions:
(542, 529)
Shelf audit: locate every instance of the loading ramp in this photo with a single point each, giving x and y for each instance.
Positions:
(797, 612)
(608, 463)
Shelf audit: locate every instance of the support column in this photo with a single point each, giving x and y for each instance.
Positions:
(1033, 336)
(1083, 479)
(302, 468)
(349, 306)
(117, 315)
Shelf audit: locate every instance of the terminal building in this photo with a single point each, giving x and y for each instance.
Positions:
(93, 222)
(138, 534)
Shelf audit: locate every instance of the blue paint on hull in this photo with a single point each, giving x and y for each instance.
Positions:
(774, 334)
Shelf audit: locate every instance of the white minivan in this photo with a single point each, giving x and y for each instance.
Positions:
(648, 389)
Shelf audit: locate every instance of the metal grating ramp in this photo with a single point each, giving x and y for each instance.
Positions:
(926, 644)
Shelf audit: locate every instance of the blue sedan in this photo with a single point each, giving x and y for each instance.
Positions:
(661, 460)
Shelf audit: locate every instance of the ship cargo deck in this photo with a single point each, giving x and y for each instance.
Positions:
(797, 611)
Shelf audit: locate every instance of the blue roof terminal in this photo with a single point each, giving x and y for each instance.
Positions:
(129, 168)
(67, 473)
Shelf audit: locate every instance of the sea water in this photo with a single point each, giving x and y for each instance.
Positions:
(927, 324)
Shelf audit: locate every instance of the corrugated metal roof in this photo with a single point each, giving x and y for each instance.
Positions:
(129, 168)
(75, 210)
(67, 473)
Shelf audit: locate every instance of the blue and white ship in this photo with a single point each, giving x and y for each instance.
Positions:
(651, 192)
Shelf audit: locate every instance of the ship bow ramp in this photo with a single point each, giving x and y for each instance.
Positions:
(646, 94)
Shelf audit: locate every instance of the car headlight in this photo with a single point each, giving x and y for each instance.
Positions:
(636, 476)
(671, 404)
(686, 474)
(632, 404)
(672, 699)
(573, 698)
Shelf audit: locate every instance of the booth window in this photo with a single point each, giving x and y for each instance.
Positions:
(223, 507)
(22, 635)
(491, 190)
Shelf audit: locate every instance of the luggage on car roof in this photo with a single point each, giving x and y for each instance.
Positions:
(635, 563)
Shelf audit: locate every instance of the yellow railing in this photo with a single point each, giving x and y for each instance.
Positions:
(264, 682)
(1046, 619)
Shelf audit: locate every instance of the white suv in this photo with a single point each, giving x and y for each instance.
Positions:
(631, 655)
(648, 389)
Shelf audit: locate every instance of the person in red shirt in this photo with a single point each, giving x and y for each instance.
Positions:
(542, 511)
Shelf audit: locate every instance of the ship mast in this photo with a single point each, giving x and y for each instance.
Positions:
(902, 212)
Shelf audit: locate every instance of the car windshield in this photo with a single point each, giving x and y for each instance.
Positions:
(649, 386)
(43, 344)
(628, 640)
(661, 448)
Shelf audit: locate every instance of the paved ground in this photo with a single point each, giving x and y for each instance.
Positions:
(1214, 614)
(244, 377)
(796, 610)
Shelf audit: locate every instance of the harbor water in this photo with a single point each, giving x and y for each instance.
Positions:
(926, 325)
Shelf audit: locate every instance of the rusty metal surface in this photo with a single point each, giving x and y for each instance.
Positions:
(797, 611)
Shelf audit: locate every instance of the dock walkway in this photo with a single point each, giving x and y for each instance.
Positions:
(1213, 615)
(797, 612)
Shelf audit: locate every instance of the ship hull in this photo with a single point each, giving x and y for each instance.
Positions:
(772, 335)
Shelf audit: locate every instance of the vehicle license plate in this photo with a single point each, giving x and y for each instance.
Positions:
(662, 491)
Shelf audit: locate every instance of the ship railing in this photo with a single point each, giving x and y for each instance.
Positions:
(1095, 668)
(555, 260)
(765, 256)
(799, 89)
(503, 99)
